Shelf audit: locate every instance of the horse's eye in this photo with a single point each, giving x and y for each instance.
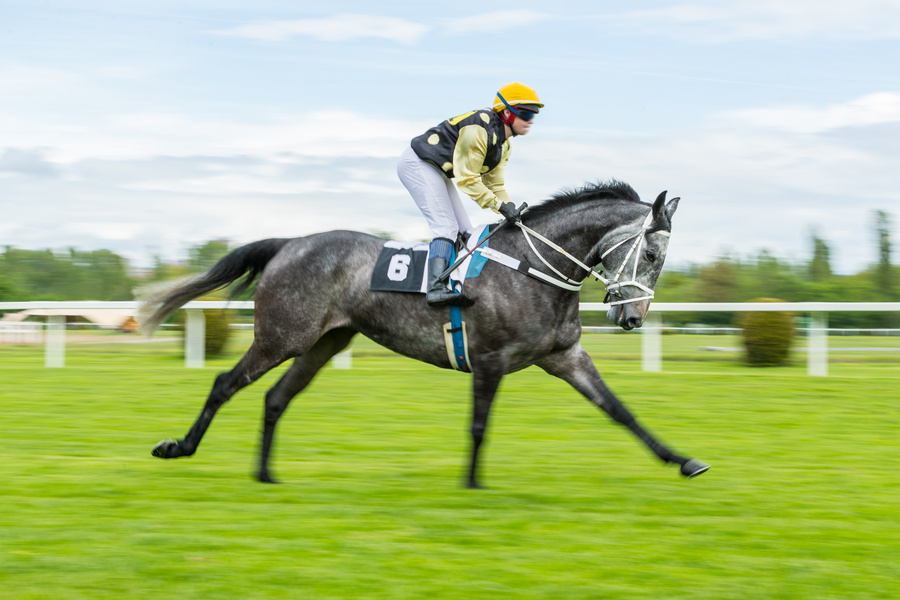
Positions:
(651, 256)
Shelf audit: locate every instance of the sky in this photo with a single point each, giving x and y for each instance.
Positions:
(150, 127)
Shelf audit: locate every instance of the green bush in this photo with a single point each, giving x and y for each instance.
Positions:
(767, 335)
(217, 330)
(217, 324)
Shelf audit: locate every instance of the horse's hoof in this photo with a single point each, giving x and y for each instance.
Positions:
(694, 467)
(165, 449)
(266, 478)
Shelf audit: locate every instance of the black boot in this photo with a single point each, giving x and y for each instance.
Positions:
(439, 294)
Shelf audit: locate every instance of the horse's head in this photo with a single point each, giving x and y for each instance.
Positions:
(633, 266)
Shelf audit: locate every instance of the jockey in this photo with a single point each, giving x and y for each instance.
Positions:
(474, 149)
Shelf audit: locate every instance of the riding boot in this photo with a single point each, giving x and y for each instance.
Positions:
(439, 294)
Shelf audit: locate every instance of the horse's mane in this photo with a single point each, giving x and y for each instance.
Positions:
(590, 192)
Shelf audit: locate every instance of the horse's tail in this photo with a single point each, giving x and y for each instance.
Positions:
(158, 301)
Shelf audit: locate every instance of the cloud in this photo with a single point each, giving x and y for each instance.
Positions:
(327, 133)
(750, 179)
(495, 21)
(872, 109)
(106, 230)
(340, 28)
(26, 162)
(20, 79)
(716, 22)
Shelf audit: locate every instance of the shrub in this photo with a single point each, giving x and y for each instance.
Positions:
(217, 324)
(767, 335)
(218, 330)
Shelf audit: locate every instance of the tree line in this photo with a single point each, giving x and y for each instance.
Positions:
(27, 275)
(103, 275)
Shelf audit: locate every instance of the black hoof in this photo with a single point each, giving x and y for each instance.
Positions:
(266, 478)
(694, 467)
(166, 449)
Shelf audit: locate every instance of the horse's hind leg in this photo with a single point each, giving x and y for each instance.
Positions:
(297, 377)
(254, 364)
(577, 368)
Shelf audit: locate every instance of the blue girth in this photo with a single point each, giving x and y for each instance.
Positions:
(460, 352)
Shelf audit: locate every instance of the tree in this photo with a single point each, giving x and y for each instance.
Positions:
(884, 276)
(773, 277)
(819, 266)
(719, 282)
(206, 255)
(75, 275)
(8, 292)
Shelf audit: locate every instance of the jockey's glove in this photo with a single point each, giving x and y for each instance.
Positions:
(509, 210)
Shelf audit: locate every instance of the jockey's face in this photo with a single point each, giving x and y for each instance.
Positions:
(521, 126)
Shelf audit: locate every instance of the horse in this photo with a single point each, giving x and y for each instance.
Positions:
(312, 297)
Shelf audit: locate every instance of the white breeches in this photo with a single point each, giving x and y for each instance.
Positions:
(435, 194)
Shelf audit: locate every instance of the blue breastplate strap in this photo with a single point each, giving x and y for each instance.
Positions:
(456, 341)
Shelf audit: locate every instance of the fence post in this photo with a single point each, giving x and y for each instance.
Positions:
(55, 342)
(194, 338)
(651, 342)
(817, 345)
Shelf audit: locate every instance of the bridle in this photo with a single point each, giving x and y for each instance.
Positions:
(613, 286)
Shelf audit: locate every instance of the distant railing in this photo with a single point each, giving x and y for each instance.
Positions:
(651, 347)
(20, 333)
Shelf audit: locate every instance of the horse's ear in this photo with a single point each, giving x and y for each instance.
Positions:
(659, 207)
(671, 206)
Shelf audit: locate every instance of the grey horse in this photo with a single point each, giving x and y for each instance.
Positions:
(312, 296)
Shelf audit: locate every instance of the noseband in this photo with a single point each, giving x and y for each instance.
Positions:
(613, 286)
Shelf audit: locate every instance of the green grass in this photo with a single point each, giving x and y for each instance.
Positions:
(801, 501)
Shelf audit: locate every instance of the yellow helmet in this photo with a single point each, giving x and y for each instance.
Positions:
(515, 94)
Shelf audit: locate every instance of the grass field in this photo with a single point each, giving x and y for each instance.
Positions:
(801, 500)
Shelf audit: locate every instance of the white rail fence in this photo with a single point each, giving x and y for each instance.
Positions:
(651, 332)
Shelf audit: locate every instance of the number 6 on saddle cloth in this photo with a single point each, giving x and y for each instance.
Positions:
(401, 267)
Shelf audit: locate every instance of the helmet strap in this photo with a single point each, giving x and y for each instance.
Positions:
(508, 120)
(511, 117)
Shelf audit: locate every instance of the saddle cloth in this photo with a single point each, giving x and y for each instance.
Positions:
(402, 266)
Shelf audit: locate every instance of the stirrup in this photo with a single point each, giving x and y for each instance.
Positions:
(446, 297)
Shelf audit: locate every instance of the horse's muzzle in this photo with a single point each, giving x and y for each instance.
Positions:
(628, 316)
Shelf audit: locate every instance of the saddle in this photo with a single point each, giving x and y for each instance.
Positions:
(401, 266)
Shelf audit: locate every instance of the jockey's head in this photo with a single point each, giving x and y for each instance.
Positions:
(516, 100)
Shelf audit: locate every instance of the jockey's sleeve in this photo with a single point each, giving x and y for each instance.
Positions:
(495, 179)
(468, 162)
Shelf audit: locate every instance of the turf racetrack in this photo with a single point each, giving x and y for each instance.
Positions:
(801, 500)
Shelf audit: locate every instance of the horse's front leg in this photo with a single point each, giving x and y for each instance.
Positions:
(485, 381)
(576, 367)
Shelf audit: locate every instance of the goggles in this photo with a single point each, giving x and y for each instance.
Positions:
(523, 113)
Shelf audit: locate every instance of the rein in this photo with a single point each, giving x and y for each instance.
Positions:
(613, 286)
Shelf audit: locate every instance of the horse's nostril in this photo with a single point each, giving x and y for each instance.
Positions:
(633, 322)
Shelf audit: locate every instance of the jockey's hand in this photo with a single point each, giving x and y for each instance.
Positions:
(509, 210)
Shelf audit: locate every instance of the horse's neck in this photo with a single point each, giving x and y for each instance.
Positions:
(585, 232)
